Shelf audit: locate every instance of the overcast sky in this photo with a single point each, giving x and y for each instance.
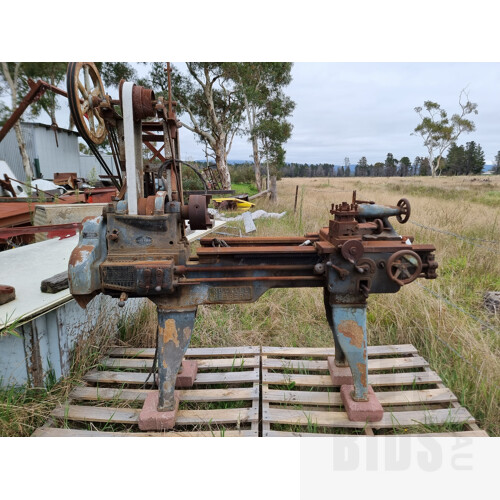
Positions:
(342, 108)
(367, 109)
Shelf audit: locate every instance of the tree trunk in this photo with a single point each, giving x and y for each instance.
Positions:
(274, 193)
(255, 145)
(431, 164)
(221, 162)
(24, 155)
(12, 81)
(437, 165)
(256, 164)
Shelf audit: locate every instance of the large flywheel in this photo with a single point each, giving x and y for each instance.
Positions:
(85, 92)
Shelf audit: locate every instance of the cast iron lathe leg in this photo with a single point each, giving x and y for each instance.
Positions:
(174, 333)
(340, 359)
(349, 330)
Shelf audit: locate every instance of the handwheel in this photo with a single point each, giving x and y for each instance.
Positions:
(85, 92)
(405, 207)
(404, 266)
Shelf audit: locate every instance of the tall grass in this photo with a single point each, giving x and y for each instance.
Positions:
(460, 349)
(22, 410)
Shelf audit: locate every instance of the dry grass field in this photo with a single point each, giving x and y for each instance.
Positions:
(446, 321)
(456, 342)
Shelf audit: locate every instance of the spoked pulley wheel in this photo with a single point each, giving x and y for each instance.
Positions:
(85, 92)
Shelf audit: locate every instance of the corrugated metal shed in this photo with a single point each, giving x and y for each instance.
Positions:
(42, 150)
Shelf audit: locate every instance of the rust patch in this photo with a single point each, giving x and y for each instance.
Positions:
(187, 332)
(79, 254)
(169, 332)
(352, 330)
(362, 373)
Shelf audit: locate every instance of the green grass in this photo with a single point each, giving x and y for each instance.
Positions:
(244, 188)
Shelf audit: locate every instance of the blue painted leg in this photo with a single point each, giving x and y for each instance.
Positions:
(340, 359)
(349, 326)
(174, 333)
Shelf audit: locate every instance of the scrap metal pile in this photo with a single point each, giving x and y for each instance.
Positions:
(138, 248)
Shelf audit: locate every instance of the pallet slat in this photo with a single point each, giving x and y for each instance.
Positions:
(131, 415)
(374, 350)
(147, 363)
(56, 432)
(388, 398)
(430, 434)
(389, 420)
(196, 352)
(194, 395)
(384, 379)
(373, 364)
(109, 377)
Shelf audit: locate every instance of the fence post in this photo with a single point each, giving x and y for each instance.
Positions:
(274, 194)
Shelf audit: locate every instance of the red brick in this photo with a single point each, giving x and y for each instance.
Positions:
(150, 419)
(361, 411)
(185, 378)
(341, 375)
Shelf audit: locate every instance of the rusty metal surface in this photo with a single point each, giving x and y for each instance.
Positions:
(53, 230)
(7, 293)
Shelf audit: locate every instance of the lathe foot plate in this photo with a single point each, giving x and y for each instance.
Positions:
(361, 411)
(150, 419)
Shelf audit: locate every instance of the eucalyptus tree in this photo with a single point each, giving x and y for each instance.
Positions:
(438, 131)
(267, 109)
(211, 105)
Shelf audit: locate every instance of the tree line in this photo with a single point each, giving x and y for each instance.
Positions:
(467, 159)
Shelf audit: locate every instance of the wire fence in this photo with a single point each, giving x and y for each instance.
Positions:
(472, 241)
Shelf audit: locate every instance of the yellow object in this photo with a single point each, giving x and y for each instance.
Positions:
(240, 204)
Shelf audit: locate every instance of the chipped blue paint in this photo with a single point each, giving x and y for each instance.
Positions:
(91, 251)
(349, 328)
(175, 328)
(373, 211)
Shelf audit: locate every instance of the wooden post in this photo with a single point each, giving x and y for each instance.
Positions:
(296, 194)
(274, 194)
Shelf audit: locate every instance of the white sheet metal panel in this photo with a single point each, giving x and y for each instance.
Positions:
(24, 268)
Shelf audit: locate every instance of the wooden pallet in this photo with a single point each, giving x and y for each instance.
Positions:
(299, 399)
(223, 402)
(266, 391)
